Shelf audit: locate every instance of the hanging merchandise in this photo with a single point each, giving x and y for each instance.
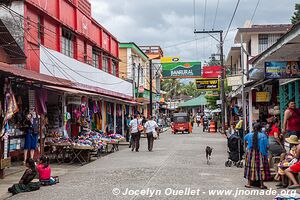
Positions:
(84, 104)
(41, 99)
(11, 106)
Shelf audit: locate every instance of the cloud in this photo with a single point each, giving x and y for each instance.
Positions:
(170, 22)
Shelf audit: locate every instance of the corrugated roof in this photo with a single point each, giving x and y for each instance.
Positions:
(199, 101)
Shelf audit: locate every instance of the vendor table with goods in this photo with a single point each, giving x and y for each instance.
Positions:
(82, 153)
(81, 149)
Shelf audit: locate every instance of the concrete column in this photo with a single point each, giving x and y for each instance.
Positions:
(115, 117)
(103, 117)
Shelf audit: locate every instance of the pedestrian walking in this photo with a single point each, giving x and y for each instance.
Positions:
(198, 119)
(291, 121)
(135, 133)
(256, 163)
(150, 128)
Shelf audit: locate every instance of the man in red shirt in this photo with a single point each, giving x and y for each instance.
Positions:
(291, 122)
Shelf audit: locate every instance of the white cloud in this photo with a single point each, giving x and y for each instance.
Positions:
(169, 22)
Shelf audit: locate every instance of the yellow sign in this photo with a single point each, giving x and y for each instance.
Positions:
(262, 96)
(169, 59)
(207, 84)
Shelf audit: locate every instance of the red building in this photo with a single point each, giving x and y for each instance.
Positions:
(66, 26)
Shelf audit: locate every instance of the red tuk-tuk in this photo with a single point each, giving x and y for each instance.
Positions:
(181, 123)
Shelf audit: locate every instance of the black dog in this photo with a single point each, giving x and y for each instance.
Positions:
(208, 151)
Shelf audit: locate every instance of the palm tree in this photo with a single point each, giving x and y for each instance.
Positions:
(190, 89)
(173, 87)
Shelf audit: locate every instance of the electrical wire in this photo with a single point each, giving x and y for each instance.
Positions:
(44, 27)
(204, 18)
(233, 15)
(61, 61)
(252, 17)
(216, 13)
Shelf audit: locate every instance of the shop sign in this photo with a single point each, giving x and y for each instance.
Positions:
(234, 80)
(207, 84)
(169, 59)
(181, 70)
(282, 69)
(219, 102)
(262, 96)
(212, 71)
(74, 100)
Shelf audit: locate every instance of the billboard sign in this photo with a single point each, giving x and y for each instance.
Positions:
(208, 84)
(181, 70)
(212, 71)
(169, 59)
(282, 69)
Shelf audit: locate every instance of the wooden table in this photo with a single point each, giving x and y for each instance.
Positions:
(115, 146)
(61, 150)
(79, 151)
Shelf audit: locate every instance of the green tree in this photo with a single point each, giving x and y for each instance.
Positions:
(212, 101)
(190, 89)
(296, 17)
(173, 87)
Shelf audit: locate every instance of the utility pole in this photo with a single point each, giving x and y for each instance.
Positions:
(222, 74)
(133, 80)
(150, 85)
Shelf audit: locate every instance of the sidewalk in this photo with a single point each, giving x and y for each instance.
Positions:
(15, 172)
(14, 177)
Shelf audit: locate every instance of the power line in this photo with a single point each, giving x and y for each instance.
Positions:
(44, 27)
(194, 14)
(254, 11)
(216, 13)
(233, 15)
(60, 60)
(204, 18)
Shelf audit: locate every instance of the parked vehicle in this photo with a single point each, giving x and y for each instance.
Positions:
(181, 123)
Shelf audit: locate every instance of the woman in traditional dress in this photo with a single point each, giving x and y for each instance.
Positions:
(25, 184)
(256, 164)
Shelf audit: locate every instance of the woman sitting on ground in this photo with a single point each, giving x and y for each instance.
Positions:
(45, 172)
(25, 184)
(256, 162)
(289, 160)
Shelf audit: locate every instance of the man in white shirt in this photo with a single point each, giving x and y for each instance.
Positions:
(135, 134)
(150, 127)
(198, 119)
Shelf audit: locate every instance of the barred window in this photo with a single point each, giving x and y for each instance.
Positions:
(67, 43)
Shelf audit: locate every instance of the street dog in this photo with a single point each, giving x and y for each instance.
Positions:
(208, 152)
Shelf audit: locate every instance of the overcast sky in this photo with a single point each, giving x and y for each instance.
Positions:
(170, 23)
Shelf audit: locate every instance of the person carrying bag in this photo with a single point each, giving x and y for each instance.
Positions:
(150, 127)
(135, 133)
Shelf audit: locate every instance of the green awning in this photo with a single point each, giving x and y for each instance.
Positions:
(199, 101)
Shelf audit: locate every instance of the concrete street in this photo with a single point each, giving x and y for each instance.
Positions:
(177, 162)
